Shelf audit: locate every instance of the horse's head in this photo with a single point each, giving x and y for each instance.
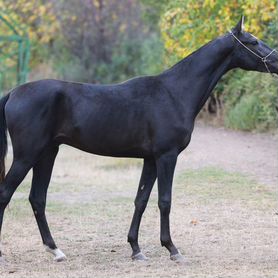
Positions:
(251, 53)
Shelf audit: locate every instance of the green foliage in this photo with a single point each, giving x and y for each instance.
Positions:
(251, 101)
(128, 59)
(37, 19)
(137, 58)
(152, 10)
(244, 114)
(152, 51)
(187, 25)
(106, 41)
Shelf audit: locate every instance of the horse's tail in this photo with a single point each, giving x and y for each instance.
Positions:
(3, 136)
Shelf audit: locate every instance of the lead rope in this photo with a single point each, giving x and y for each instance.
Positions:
(264, 59)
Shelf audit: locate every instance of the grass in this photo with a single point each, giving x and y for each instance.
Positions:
(214, 185)
(121, 164)
(90, 206)
(205, 186)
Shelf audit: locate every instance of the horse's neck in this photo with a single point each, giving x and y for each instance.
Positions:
(193, 78)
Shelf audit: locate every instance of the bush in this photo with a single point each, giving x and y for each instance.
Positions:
(251, 101)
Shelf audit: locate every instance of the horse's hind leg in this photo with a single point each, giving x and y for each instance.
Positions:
(147, 180)
(14, 177)
(41, 177)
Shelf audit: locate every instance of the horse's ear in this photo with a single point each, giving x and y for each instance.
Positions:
(240, 26)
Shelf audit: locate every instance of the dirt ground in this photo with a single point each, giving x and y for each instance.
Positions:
(224, 217)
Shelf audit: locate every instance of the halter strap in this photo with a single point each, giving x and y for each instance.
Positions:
(263, 59)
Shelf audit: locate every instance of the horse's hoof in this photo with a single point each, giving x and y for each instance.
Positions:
(139, 257)
(59, 256)
(178, 258)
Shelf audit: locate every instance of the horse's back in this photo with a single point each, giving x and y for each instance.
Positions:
(103, 119)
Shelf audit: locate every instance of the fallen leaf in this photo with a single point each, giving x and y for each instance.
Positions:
(194, 222)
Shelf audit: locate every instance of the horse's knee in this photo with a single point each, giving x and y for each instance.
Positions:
(37, 205)
(140, 205)
(164, 206)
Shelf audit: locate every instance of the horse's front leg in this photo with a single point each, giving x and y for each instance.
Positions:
(165, 171)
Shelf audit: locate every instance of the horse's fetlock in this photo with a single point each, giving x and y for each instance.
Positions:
(131, 238)
(165, 241)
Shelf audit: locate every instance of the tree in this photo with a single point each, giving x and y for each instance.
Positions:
(102, 39)
(187, 25)
(36, 17)
(152, 11)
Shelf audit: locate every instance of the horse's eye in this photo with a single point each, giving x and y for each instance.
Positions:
(250, 40)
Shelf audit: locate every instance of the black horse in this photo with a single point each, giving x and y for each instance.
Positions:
(149, 117)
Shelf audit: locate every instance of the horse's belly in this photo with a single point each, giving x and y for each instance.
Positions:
(109, 143)
(113, 150)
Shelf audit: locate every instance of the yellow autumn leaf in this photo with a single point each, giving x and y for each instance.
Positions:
(203, 22)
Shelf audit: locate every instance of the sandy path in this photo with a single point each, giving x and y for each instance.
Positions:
(253, 154)
(90, 205)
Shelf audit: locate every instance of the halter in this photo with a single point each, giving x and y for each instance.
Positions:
(263, 59)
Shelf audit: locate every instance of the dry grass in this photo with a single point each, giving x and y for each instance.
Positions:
(223, 222)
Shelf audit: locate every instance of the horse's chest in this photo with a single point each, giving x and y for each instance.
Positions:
(174, 138)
